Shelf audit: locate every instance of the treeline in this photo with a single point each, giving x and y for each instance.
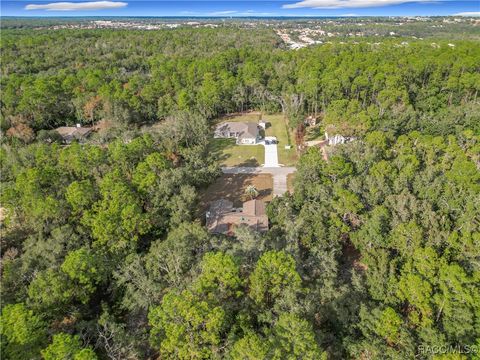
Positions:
(53, 78)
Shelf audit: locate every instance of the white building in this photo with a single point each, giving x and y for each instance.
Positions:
(337, 139)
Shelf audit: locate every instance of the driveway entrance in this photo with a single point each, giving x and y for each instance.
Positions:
(271, 153)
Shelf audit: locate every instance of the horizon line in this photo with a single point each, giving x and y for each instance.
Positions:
(226, 17)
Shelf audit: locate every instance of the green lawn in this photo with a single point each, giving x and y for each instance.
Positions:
(231, 154)
(246, 117)
(285, 136)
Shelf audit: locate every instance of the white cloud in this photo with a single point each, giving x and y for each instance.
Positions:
(227, 12)
(337, 4)
(72, 6)
(261, 14)
(237, 13)
(468, 13)
(349, 14)
(250, 13)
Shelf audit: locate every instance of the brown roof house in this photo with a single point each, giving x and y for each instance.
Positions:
(222, 217)
(246, 133)
(71, 133)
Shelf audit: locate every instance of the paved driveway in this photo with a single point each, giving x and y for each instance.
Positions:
(271, 153)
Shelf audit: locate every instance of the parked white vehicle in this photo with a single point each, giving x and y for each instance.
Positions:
(271, 153)
(270, 140)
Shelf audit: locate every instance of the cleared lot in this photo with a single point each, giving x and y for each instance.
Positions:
(232, 187)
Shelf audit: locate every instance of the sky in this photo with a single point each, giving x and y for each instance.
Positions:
(238, 8)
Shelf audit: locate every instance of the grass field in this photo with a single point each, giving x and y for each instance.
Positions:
(231, 154)
(255, 117)
(232, 187)
(285, 136)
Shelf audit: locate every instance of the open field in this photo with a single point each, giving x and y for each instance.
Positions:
(231, 154)
(232, 187)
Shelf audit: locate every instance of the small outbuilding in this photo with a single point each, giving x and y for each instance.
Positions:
(310, 121)
(262, 124)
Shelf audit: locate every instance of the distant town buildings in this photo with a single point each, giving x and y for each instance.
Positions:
(136, 25)
(294, 34)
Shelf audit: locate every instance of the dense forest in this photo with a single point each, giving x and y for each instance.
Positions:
(375, 255)
(135, 77)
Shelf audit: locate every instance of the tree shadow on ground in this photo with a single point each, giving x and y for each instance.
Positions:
(218, 146)
(220, 149)
(249, 163)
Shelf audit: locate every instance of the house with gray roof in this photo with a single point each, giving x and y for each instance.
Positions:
(245, 133)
